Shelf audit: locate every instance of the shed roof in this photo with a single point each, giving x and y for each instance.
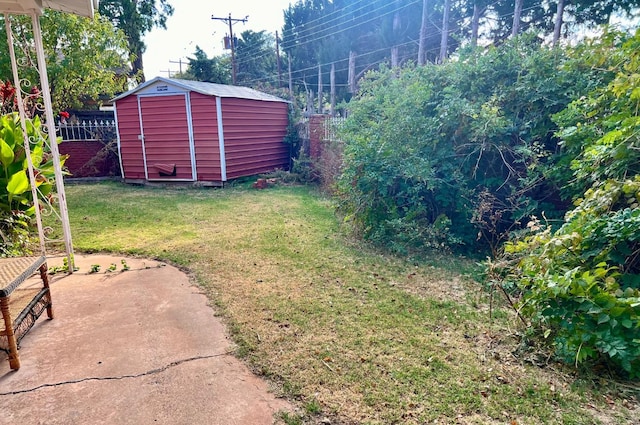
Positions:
(210, 89)
(78, 7)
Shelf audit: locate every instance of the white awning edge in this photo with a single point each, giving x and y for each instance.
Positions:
(21, 7)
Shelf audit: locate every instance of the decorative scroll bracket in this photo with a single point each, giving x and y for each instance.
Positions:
(51, 132)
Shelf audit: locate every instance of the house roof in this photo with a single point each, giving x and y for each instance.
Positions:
(78, 7)
(210, 89)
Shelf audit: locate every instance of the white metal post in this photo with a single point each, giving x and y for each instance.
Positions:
(48, 108)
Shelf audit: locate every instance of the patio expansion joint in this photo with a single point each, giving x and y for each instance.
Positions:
(117, 378)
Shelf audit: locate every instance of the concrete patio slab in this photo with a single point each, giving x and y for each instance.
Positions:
(130, 347)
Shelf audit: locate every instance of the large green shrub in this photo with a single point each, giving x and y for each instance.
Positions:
(16, 200)
(399, 184)
(581, 283)
(457, 153)
(597, 129)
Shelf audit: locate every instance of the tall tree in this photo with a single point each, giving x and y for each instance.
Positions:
(301, 35)
(256, 58)
(423, 32)
(85, 57)
(517, 13)
(397, 26)
(319, 31)
(475, 24)
(558, 24)
(202, 68)
(136, 18)
(445, 30)
(517, 16)
(479, 9)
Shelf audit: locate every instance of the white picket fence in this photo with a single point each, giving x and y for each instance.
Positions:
(331, 127)
(104, 130)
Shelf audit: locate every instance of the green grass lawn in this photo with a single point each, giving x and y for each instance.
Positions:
(344, 332)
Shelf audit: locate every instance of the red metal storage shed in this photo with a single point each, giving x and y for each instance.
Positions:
(190, 131)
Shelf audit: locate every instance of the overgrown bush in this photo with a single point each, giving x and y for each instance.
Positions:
(16, 200)
(456, 154)
(581, 283)
(468, 151)
(397, 177)
(598, 131)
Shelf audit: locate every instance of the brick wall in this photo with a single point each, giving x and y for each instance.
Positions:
(316, 135)
(90, 158)
(326, 155)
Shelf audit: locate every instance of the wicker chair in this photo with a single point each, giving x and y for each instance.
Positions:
(22, 300)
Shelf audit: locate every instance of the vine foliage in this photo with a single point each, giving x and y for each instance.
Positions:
(581, 282)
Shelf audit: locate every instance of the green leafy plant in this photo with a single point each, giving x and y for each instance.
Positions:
(64, 268)
(581, 283)
(599, 131)
(15, 232)
(95, 268)
(16, 198)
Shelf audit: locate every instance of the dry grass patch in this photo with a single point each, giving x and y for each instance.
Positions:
(346, 333)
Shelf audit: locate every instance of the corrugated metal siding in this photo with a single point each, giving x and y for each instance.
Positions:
(205, 135)
(130, 144)
(166, 136)
(253, 136)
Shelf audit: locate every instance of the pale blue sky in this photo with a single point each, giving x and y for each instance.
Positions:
(191, 25)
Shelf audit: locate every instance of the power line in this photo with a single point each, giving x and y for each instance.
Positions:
(374, 18)
(322, 36)
(362, 55)
(412, 41)
(322, 21)
(249, 57)
(231, 21)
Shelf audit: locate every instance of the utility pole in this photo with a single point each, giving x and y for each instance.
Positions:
(278, 60)
(232, 21)
(179, 62)
(290, 79)
(320, 89)
(423, 33)
(444, 41)
(332, 80)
